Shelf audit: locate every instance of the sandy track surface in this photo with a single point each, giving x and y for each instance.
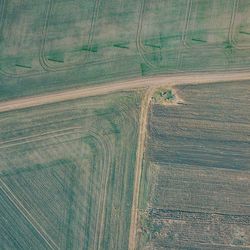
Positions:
(138, 165)
(169, 80)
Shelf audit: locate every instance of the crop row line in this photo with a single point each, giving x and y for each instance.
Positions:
(27, 215)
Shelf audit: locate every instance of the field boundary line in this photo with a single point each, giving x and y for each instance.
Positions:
(48, 11)
(27, 215)
(187, 21)
(232, 21)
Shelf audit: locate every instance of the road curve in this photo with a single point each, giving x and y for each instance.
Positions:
(170, 80)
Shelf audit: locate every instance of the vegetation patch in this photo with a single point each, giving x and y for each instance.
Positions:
(164, 97)
(149, 228)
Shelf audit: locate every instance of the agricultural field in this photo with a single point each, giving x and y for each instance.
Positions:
(67, 172)
(50, 45)
(195, 186)
(124, 124)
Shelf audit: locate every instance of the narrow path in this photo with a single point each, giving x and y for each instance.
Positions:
(171, 80)
(138, 166)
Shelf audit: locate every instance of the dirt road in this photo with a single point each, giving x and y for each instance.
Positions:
(138, 165)
(169, 80)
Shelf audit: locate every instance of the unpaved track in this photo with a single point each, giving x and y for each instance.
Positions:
(169, 80)
(138, 166)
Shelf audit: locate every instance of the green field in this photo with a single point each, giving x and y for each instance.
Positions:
(58, 44)
(67, 172)
(196, 174)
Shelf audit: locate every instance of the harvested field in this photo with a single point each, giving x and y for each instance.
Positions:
(214, 122)
(66, 173)
(58, 44)
(196, 172)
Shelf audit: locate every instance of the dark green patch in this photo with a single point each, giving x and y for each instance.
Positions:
(121, 45)
(150, 227)
(244, 32)
(166, 95)
(144, 69)
(228, 45)
(93, 48)
(105, 111)
(153, 45)
(198, 40)
(23, 66)
(55, 60)
(115, 128)
(56, 56)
